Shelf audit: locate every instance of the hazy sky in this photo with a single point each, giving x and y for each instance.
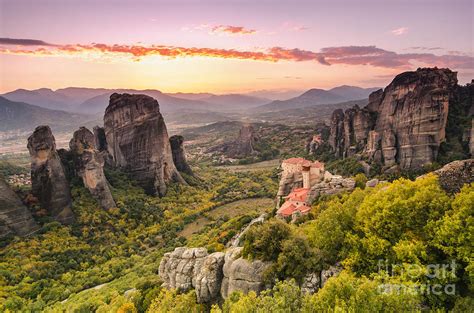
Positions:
(229, 46)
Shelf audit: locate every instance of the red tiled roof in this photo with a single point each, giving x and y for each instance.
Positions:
(298, 194)
(289, 207)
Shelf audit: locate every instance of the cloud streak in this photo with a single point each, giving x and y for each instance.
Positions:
(232, 30)
(345, 55)
(229, 30)
(399, 31)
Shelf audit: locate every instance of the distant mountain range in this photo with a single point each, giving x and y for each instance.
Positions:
(70, 107)
(95, 100)
(24, 116)
(314, 97)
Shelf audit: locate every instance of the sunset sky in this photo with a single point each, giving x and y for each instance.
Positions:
(229, 46)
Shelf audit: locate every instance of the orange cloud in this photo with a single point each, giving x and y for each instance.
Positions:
(233, 30)
(347, 55)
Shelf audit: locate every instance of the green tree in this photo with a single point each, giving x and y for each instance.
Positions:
(265, 242)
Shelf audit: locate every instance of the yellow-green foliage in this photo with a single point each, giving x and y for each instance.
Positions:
(108, 260)
(454, 233)
(344, 293)
(169, 300)
(120, 248)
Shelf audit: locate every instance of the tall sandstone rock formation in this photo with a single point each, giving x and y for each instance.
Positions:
(179, 155)
(89, 165)
(48, 181)
(403, 125)
(242, 147)
(15, 218)
(138, 142)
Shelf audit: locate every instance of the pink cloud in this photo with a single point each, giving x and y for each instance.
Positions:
(399, 31)
(346, 55)
(221, 29)
(233, 30)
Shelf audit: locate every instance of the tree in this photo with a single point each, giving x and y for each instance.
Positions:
(348, 293)
(454, 233)
(265, 242)
(170, 301)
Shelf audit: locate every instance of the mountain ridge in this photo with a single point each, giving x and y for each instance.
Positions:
(316, 96)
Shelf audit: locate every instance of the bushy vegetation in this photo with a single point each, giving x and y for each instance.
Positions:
(8, 168)
(398, 233)
(344, 293)
(110, 252)
(392, 235)
(459, 120)
(345, 167)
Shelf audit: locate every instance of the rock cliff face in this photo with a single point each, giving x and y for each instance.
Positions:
(241, 274)
(89, 165)
(48, 182)
(471, 140)
(179, 155)
(178, 268)
(402, 125)
(99, 138)
(288, 182)
(242, 147)
(138, 142)
(211, 275)
(332, 184)
(15, 218)
(336, 134)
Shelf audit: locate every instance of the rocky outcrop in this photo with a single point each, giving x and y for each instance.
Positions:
(100, 140)
(332, 184)
(179, 155)
(357, 124)
(333, 270)
(89, 165)
(336, 134)
(213, 275)
(15, 218)
(471, 139)
(403, 125)
(178, 268)
(242, 147)
(453, 176)
(208, 279)
(311, 283)
(138, 142)
(241, 274)
(48, 181)
(372, 183)
(288, 182)
(314, 143)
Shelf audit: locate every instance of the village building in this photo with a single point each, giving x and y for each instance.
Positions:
(299, 173)
(295, 203)
(298, 176)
